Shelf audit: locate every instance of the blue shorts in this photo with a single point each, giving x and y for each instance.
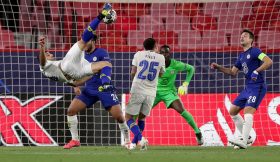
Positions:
(252, 96)
(90, 97)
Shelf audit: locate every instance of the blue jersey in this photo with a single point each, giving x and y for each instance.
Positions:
(90, 94)
(248, 61)
(99, 54)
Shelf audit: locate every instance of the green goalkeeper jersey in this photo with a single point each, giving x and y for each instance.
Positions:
(167, 81)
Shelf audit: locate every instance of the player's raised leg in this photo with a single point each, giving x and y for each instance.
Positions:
(90, 31)
(74, 55)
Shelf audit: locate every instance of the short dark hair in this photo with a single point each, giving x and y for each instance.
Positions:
(251, 34)
(149, 43)
(94, 38)
(164, 49)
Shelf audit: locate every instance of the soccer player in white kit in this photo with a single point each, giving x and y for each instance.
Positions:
(147, 66)
(74, 70)
(73, 66)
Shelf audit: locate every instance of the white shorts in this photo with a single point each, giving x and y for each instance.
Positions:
(74, 63)
(140, 103)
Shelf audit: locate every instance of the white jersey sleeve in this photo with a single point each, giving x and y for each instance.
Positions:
(134, 61)
(52, 71)
(149, 64)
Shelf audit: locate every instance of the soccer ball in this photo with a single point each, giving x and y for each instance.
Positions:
(111, 17)
(236, 147)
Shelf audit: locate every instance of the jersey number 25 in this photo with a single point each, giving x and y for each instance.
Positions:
(151, 67)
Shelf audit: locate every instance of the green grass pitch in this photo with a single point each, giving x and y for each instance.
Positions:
(153, 154)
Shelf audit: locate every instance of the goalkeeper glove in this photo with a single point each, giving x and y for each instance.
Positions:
(105, 10)
(183, 89)
(106, 88)
(254, 75)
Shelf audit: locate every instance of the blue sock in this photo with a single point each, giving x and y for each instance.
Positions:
(89, 32)
(105, 75)
(134, 129)
(141, 125)
(135, 140)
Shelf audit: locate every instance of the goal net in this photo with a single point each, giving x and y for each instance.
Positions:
(33, 109)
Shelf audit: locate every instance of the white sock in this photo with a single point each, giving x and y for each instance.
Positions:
(238, 121)
(125, 131)
(248, 124)
(73, 126)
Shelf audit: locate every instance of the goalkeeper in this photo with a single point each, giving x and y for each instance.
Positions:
(166, 90)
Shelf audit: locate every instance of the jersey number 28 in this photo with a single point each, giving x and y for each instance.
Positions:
(151, 67)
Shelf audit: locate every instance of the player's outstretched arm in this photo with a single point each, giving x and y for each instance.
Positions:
(82, 81)
(190, 72)
(79, 82)
(97, 66)
(183, 89)
(231, 71)
(181, 66)
(42, 57)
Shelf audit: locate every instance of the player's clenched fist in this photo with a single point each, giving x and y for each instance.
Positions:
(77, 90)
(254, 75)
(214, 65)
(42, 41)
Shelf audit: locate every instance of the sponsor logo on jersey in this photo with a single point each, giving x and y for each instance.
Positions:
(94, 59)
(245, 68)
(248, 56)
